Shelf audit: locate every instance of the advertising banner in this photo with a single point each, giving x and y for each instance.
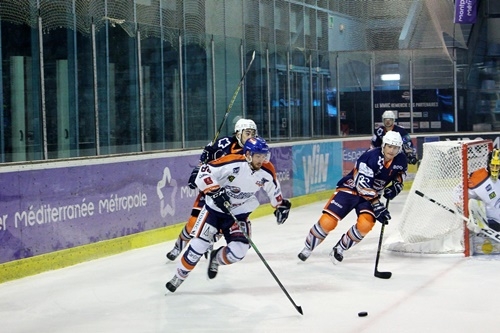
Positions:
(351, 151)
(316, 167)
(465, 11)
(54, 208)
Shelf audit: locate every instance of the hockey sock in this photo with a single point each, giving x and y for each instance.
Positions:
(315, 237)
(350, 238)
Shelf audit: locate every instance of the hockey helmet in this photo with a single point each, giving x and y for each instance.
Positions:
(389, 114)
(256, 145)
(392, 138)
(494, 164)
(243, 124)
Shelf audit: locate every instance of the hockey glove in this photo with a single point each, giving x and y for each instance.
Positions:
(381, 213)
(282, 211)
(192, 178)
(221, 199)
(412, 159)
(390, 192)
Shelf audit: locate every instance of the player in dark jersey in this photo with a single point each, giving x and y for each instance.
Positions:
(360, 190)
(388, 118)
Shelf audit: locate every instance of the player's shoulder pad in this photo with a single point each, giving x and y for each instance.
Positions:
(478, 177)
(269, 168)
(401, 159)
(226, 159)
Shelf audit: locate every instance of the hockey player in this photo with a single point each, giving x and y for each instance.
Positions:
(243, 130)
(388, 118)
(360, 190)
(230, 184)
(484, 185)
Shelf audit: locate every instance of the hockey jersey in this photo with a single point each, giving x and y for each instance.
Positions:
(380, 132)
(370, 175)
(223, 146)
(234, 173)
(481, 187)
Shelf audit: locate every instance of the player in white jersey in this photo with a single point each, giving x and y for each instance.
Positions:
(243, 129)
(484, 186)
(230, 183)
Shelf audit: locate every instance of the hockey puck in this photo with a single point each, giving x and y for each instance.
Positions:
(362, 314)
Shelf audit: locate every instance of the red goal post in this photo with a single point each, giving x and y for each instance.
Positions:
(426, 227)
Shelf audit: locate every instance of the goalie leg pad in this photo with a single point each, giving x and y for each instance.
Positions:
(365, 223)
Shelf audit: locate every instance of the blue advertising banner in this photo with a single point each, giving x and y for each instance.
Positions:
(465, 11)
(316, 167)
(45, 210)
(51, 207)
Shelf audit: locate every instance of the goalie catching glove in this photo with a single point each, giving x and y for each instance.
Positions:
(282, 211)
(381, 213)
(221, 199)
(390, 192)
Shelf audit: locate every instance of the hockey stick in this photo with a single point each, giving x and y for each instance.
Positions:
(297, 307)
(381, 275)
(230, 106)
(493, 234)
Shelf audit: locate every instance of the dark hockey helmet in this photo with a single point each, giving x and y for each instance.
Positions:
(494, 164)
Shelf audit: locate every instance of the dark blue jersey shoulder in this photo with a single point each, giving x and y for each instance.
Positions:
(223, 146)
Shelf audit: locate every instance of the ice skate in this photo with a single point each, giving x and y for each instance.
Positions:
(207, 252)
(173, 284)
(304, 254)
(337, 254)
(213, 266)
(174, 253)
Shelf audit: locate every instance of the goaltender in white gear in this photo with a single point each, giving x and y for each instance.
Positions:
(230, 183)
(485, 187)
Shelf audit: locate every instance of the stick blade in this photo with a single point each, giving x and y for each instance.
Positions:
(383, 275)
(299, 308)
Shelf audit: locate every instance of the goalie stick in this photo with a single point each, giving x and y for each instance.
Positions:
(252, 244)
(377, 273)
(493, 234)
(235, 94)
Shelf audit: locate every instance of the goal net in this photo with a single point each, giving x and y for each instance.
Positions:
(430, 228)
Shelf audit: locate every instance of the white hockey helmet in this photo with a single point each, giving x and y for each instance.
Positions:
(389, 114)
(392, 138)
(243, 124)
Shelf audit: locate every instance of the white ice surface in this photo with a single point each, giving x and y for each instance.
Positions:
(126, 292)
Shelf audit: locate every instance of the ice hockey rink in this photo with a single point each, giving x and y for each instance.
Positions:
(126, 292)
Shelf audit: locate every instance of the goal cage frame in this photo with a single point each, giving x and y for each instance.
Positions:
(426, 227)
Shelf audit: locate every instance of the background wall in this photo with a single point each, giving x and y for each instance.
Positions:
(61, 213)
